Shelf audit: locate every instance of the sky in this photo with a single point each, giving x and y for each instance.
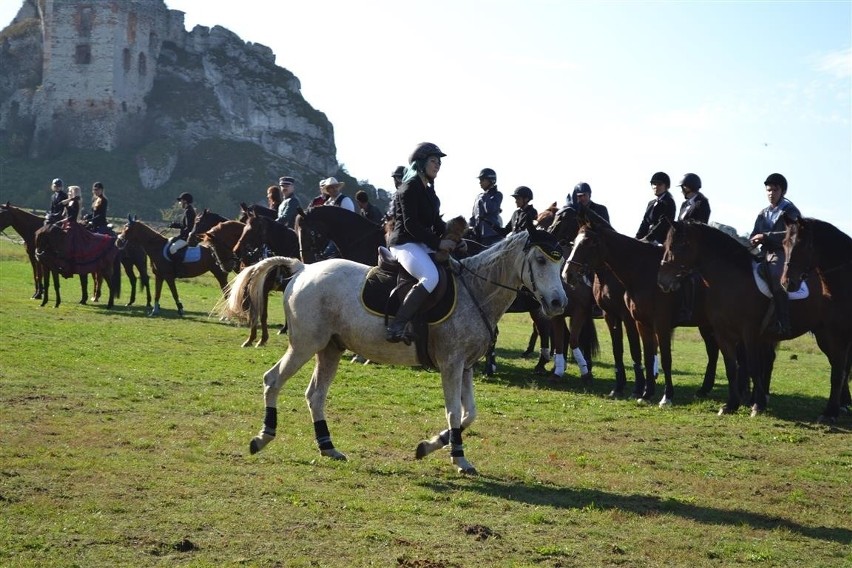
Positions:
(550, 93)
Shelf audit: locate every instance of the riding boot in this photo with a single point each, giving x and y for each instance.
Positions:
(397, 331)
(782, 312)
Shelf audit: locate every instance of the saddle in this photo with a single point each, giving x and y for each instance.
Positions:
(186, 254)
(387, 284)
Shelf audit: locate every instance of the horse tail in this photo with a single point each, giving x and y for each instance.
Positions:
(589, 338)
(244, 296)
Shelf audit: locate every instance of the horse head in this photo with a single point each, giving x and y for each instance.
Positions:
(540, 271)
(586, 255)
(799, 252)
(679, 257)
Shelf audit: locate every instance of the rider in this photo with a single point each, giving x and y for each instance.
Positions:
(768, 233)
(582, 197)
(72, 204)
(417, 231)
(186, 224)
(97, 219)
(661, 207)
(367, 209)
(273, 197)
(289, 207)
(333, 189)
(523, 218)
(57, 205)
(485, 219)
(695, 206)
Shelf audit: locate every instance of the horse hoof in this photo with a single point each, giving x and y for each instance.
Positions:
(467, 471)
(422, 450)
(254, 447)
(823, 419)
(527, 354)
(664, 402)
(702, 393)
(726, 410)
(333, 454)
(616, 395)
(642, 401)
(586, 379)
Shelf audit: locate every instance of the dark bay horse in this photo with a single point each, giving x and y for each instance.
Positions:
(67, 248)
(635, 264)
(814, 247)
(204, 221)
(326, 316)
(739, 310)
(25, 224)
(155, 245)
(356, 237)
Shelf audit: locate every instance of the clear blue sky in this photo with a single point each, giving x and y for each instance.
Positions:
(551, 93)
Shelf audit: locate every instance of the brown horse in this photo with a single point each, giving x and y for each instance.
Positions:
(221, 239)
(25, 224)
(204, 221)
(155, 246)
(739, 310)
(67, 249)
(635, 264)
(816, 247)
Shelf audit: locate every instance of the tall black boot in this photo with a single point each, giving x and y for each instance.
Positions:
(782, 312)
(396, 331)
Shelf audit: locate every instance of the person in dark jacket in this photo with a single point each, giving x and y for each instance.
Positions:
(72, 204)
(582, 197)
(485, 219)
(695, 206)
(661, 207)
(57, 202)
(417, 232)
(768, 233)
(523, 218)
(186, 224)
(367, 209)
(97, 220)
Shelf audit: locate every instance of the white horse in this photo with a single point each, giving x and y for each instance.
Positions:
(325, 317)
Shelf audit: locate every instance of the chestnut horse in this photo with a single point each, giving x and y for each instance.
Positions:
(155, 246)
(25, 224)
(326, 316)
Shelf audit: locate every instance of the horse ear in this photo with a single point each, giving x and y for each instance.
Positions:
(243, 206)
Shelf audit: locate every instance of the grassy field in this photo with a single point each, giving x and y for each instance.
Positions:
(124, 442)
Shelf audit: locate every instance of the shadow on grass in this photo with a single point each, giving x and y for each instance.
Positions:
(642, 505)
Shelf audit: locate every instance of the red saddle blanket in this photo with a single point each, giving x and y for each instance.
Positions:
(86, 251)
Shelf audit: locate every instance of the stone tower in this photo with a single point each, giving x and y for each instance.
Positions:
(99, 64)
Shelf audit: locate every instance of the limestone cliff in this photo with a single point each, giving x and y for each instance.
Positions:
(119, 91)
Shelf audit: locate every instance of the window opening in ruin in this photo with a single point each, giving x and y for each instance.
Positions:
(143, 64)
(83, 54)
(86, 19)
(126, 54)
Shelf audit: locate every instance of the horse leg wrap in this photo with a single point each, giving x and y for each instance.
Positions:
(559, 364)
(270, 421)
(581, 361)
(323, 435)
(456, 446)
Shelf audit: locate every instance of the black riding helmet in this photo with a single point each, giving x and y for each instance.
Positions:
(523, 191)
(691, 181)
(487, 173)
(423, 151)
(661, 177)
(185, 197)
(777, 179)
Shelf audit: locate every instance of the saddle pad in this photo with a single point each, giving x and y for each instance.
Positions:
(377, 288)
(85, 250)
(193, 254)
(763, 286)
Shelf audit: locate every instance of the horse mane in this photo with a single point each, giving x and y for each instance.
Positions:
(333, 217)
(717, 240)
(224, 226)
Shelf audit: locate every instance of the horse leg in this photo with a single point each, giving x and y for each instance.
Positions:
(452, 379)
(616, 335)
(84, 288)
(328, 360)
(559, 330)
(131, 276)
(731, 349)
(56, 288)
(273, 380)
(438, 441)
(173, 289)
(546, 335)
(835, 348)
(45, 285)
(531, 344)
(712, 349)
(649, 353)
(158, 290)
(491, 355)
(665, 343)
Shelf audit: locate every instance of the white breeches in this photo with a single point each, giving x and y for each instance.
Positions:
(414, 258)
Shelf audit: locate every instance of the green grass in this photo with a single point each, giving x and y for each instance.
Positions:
(124, 442)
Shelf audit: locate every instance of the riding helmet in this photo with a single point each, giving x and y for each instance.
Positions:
(523, 191)
(398, 172)
(423, 151)
(57, 182)
(777, 179)
(691, 181)
(661, 177)
(488, 173)
(582, 187)
(185, 197)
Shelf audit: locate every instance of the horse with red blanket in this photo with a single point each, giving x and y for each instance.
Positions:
(67, 248)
